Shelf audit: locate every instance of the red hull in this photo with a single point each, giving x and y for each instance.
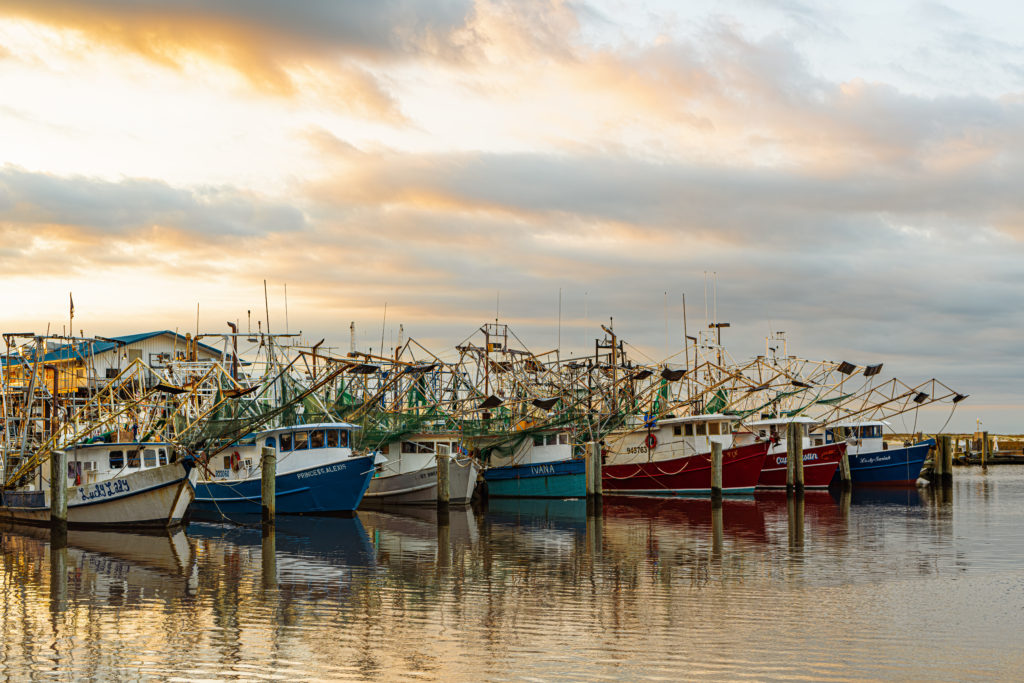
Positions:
(820, 465)
(741, 469)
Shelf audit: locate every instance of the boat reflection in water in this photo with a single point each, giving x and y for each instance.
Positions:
(316, 554)
(111, 567)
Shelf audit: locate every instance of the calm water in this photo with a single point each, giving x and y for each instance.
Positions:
(898, 585)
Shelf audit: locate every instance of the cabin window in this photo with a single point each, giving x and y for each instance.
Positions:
(714, 428)
(688, 429)
(343, 439)
(301, 441)
(286, 442)
(116, 460)
(163, 456)
(538, 439)
(133, 458)
(149, 457)
(677, 431)
(332, 438)
(563, 439)
(408, 447)
(227, 462)
(316, 438)
(270, 442)
(702, 429)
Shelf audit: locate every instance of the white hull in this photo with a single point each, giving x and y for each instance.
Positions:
(156, 497)
(420, 487)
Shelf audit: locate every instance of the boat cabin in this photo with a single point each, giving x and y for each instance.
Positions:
(90, 463)
(774, 429)
(416, 452)
(670, 438)
(298, 447)
(860, 436)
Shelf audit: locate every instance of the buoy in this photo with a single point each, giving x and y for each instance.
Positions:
(651, 441)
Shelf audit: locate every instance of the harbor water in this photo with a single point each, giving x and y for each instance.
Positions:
(898, 584)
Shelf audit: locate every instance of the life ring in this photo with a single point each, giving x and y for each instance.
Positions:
(236, 460)
(651, 441)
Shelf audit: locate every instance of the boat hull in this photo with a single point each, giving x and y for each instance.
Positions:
(157, 497)
(741, 469)
(893, 467)
(420, 487)
(558, 479)
(820, 465)
(329, 488)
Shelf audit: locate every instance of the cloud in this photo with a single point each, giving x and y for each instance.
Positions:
(262, 38)
(137, 205)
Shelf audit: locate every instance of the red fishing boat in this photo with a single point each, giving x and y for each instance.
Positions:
(674, 457)
(820, 460)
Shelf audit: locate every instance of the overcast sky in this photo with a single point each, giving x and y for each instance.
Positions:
(851, 172)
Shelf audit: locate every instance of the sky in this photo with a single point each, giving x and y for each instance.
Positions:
(846, 172)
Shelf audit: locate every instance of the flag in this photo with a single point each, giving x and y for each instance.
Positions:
(72, 300)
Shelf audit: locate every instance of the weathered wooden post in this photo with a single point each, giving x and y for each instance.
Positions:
(984, 450)
(268, 484)
(794, 458)
(716, 471)
(845, 477)
(947, 459)
(59, 489)
(798, 449)
(598, 470)
(443, 477)
(790, 460)
(938, 460)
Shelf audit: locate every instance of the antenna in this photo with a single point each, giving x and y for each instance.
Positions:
(287, 328)
(352, 331)
(382, 324)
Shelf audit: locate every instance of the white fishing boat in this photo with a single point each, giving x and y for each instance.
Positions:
(127, 484)
(409, 475)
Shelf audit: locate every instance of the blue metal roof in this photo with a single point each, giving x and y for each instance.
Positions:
(81, 350)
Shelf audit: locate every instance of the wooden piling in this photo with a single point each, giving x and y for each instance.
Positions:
(947, 460)
(938, 460)
(790, 460)
(984, 450)
(443, 476)
(592, 458)
(716, 471)
(845, 477)
(59, 489)
(268, 484)
(794, 458)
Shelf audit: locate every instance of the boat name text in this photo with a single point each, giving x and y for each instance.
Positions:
(104, 489)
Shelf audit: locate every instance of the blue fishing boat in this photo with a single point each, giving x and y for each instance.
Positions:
(541, 467)
(317, 473)
(874, 462)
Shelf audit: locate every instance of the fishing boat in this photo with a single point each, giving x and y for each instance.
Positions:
(673, 456)
(821, 460)
(125, 484)
(409, 474)
(542, 466)
(872, 461)
(317, 473)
